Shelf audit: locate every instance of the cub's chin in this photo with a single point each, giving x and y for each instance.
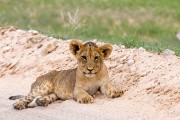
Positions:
(90, 75)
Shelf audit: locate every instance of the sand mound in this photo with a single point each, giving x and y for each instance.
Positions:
(150, 79)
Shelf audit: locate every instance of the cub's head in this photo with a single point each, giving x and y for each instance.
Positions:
(90, 57)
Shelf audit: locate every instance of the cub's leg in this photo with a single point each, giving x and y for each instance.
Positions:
(44, 101)
(38, 88)
(82, 96)
(110, 90)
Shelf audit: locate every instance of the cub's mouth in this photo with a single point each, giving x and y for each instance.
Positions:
(90, 74)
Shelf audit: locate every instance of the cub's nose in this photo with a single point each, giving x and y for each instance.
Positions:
(90, 69)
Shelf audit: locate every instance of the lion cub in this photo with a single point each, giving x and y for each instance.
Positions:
(80, 83)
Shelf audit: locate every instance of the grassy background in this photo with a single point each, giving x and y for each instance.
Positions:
(151, 24)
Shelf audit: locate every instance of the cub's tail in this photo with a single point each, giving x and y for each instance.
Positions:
(16, 97)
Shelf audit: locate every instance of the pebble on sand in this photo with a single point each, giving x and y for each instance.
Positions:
(142, 49)
(168, 52)
(34, 32)
(130, 62)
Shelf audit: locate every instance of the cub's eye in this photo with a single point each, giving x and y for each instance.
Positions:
(96, 58)
(83, 57)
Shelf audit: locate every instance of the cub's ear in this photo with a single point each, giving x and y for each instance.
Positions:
(75, 46)
(106, 50)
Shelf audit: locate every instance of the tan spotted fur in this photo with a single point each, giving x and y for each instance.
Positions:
(80, 83)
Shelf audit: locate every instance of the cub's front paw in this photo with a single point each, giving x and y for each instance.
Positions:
(85, 99)
(113, 93)
(19, 105)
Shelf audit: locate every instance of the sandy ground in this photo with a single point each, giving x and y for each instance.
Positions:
(151, 80)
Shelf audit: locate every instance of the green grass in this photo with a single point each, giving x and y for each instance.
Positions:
(151, 24)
